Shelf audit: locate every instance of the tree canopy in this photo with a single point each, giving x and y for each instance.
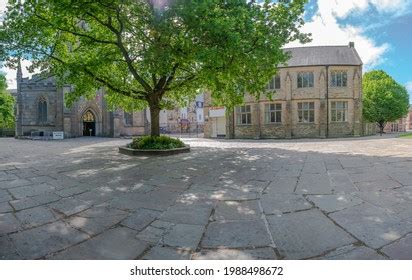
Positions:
(154, 53)
(384, 100)
(6, 105)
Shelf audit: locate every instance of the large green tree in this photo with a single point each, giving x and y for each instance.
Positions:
(154, 53)
(384, 100)
(6, 105)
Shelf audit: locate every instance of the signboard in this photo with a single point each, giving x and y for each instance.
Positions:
(215, 113)
(58, 135)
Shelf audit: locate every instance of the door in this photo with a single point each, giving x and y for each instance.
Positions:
(89, 129)
(221, 127)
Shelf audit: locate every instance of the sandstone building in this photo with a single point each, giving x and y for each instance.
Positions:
(317, 94)
(40, 111)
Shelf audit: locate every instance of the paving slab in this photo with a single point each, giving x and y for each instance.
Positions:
(314, 184)
(181, 213)
(41, 241)
(141, 218)
(31, 190)
(353, 253)
(5, 207)
(283, 203)
(237, 210)
(166, 253)
(70, 206)
(184, 236)
(236, 234)
(114, 244)
(8, 223)
(400, 249)
(334, 202)
(36, 216)
(97, 219)
(8, 251)
(265, 253)
(306, 234)
(372, 225)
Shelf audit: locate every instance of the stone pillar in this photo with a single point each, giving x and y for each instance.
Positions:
(357, 105)
(288, 123)
(323, 106)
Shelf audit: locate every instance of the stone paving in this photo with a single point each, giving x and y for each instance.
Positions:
(237, 199)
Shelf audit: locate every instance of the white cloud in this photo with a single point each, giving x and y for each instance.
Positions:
(326, 29)
(409, 87)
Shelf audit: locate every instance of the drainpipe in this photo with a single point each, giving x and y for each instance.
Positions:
(327, 101)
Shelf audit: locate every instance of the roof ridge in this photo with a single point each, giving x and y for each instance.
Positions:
(319, 46)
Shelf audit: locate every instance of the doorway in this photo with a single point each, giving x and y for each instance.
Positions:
(89, 124)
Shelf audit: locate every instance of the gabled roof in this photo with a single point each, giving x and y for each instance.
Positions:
(323, 55)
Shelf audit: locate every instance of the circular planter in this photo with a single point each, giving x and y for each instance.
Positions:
(140, 152)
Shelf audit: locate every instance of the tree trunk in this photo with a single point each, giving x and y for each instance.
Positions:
(381, 128)
(154, 120)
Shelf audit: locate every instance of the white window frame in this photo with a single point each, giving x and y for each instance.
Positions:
(244, 115)
(273, 111)
(306, 112)
(306, 79)
(339, 114)
(274, 83)
(339, 78)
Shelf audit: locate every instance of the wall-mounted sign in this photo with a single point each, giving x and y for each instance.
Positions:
(58, 135)
(214, 113)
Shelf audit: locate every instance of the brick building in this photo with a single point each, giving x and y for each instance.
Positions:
(317, 94)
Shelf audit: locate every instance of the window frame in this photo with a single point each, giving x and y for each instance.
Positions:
(244, 112)
(276, 112)
(306, 109)
(42, 111)
(306, 79)
(341, 111)
(274, 83)
(339, 79)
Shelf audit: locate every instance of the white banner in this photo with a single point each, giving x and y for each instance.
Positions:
(191, 270)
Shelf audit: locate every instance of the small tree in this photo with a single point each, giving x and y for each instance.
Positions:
(6, 105)
(154, 53)
(384, 100)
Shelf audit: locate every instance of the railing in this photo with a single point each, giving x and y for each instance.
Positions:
(7, 132)
(41, 135)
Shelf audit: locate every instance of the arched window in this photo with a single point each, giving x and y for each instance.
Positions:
(128, 118)
(88, 117)
(42, 110)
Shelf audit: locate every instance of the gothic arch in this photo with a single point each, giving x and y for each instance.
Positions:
(42, 105)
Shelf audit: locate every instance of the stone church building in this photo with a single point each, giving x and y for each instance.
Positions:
(40, 110)
(317, 94)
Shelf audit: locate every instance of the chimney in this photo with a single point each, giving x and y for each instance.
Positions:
(351, 45)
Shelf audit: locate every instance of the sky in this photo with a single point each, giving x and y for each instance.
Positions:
(380, 29)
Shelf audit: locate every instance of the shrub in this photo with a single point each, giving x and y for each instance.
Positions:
(156, 143)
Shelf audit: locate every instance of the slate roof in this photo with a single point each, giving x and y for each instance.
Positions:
(323, 55)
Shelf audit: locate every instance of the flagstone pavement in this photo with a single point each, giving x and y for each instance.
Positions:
(227, 199)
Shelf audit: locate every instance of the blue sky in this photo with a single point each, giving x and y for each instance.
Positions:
(381, 30)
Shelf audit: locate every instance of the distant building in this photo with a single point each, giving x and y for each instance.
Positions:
(317, 94)
(402, 125)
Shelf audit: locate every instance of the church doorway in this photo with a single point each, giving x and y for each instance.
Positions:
(89, 124)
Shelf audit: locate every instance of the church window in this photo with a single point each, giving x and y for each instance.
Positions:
(42, 110)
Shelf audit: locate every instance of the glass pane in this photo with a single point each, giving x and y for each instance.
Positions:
(311, 79)
(278, 107)
(277, 82)
(312, 105)
(344, 79)
(333, 113)
(299, 106)
(312, 116)
(300, 81)
(300, 116)
(278, 116)
(249, 118)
